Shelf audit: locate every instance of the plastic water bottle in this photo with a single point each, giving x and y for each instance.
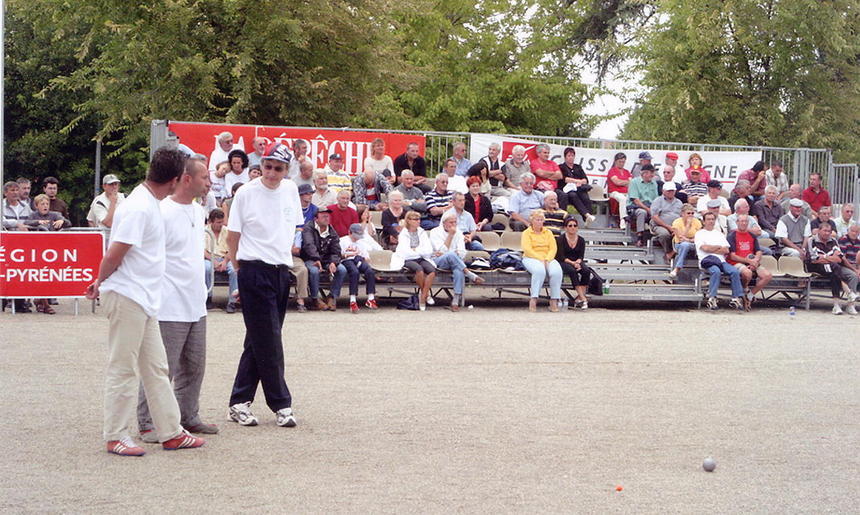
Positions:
(606, 288)
(792, 312)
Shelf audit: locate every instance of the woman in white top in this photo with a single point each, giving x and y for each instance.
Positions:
(449, 249)
(415, 249)
(377, 160)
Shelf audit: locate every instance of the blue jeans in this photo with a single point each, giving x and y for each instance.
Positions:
(729, 270)
(231, 276)
(314, 279)
(474, 245)
(455, 264)
(682, 249)
(429, 223)
(539, 271)
(357, 267)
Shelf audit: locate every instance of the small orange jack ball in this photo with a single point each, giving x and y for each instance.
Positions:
(619, 488)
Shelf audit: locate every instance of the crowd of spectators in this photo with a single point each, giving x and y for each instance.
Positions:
(431, 223)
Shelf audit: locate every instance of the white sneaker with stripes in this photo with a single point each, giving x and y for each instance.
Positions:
(241, 413)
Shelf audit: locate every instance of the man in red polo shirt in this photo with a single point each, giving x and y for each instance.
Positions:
(342, 216)
(745, 255)
(815, 195)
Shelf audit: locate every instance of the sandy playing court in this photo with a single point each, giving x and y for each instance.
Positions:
(486, 410)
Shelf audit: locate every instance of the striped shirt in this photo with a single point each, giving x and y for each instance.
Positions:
(436, 199)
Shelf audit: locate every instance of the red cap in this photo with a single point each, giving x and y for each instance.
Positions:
(671, 155)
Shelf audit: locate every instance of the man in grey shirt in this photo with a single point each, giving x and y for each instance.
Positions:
(665, 209)
(413, 197)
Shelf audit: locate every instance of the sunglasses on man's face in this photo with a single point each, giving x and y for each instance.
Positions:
(573, 225)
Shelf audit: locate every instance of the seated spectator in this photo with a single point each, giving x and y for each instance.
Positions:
(573, 188)
(104, 205)
(514, 169)
(694, 188)
(298, 269)
(714, 190)
(524, 202)
(684, 230)
(368, 189)
(641, 192)
(342, 216)
(745, 254)
(415, 249)
(24, 186)
(217, 178)
(843, 223)
(391, 218)
(410, 160)
(216, 257)
(850, 245)
(826, 259)
(645, 159)
(355, 257)
(228, 202)
(449, 249)
(480, 171)
(742, 207)
(669, 176)
(459, 157)
(413, 197)
(338, 178)
(793, 231)
(815, 195)
(794, 191)
(309, 211)
(755, 176)
(255, 157)
(553, 216)
(43, 219)
(570, 254)
(51, 188)
(714, 206)
(15, 213)
(456, 183)
(465, 223)
(321, 253)
(741, 191)
(695, 162)
(539, 258)
(495, 176)
(254, 172)
(822, 218)
(479, 206)
(219, 154)
(774, 176)
(300, 155)
(305, 174)
(768, 212)
(437, 202)
(368, 228)
(323, 195)
(617, 183)
(545, 170)
(712, 247)
(238, 171)
(379, 162)
(665, 209)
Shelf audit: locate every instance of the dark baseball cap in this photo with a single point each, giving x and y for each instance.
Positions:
(335, 156)
(713, 183)
(305, 189)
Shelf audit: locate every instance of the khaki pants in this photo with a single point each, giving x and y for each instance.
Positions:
(135, 354)
(300, 272)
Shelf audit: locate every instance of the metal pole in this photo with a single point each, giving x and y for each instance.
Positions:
(98, 178)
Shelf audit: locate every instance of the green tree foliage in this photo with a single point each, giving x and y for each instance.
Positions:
(779, 73)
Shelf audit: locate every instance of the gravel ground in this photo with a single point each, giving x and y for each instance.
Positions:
(491, 409)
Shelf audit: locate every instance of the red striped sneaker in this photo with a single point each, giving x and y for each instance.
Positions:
(125, 446)
(371, 304)
(185, 440)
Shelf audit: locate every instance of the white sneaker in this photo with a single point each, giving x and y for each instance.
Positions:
(851, 310)
(853, 296)
(431, 301)
(673, 274)
(284, 417)
(241, 413)
(589, 218)
(837, 310)
(712, 303)
(584, 305)
(736, 303)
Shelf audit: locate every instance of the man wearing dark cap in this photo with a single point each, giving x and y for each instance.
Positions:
(298, 268)
(645, 158)
(714, 189)
(338, 178)
(264, 216)
(321, 254)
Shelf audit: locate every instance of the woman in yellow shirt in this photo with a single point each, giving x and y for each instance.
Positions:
(539, 249)
(685, 229)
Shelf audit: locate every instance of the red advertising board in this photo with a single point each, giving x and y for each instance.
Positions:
(354, 146)
(48, 264)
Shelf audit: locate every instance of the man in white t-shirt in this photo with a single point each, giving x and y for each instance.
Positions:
(104, 205)
(714, 189)
(712, 247)
(130, 282)
(182, 316)
(263, 220)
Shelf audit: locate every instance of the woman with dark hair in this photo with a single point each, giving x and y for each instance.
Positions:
(573, 187)
(478, 205)
(571, 257)
(481, 170)
(238, 172)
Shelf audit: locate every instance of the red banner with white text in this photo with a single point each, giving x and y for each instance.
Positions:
(48, 264)
(354, 146)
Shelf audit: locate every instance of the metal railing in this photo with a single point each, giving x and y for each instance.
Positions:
(844, 185)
